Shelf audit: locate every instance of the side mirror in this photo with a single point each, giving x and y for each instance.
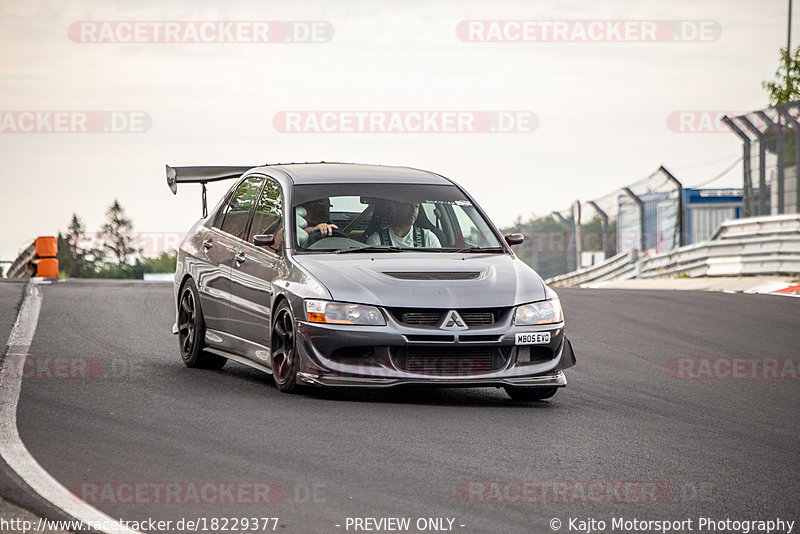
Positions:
(514, 239)
(264, 240)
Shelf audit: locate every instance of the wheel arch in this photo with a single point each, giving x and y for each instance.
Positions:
(178, 289)
(279, 299)
(186, 277)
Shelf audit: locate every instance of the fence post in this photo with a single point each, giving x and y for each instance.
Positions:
(762, 162)
(642, 241)
(778, 130)
(790, 121)
(576, 218)
(679, 186)
(604, 223)
(570, 226)
(747, 178)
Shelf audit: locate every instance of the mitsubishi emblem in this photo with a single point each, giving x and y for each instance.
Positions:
(453, 321)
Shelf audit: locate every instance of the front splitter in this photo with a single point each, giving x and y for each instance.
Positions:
(557, 379)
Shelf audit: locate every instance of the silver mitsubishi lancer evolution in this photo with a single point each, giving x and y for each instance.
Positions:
(362, 275)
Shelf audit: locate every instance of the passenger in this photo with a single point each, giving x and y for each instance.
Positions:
(402, 231)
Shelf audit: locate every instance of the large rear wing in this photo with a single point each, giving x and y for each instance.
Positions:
(202, 175)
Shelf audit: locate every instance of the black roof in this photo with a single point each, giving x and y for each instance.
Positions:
(326, 173)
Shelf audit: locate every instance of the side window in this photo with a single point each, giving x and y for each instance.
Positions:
(220, 214)
(237, 213)
(268, 218)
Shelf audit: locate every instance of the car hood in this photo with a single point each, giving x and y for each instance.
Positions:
(407, 279)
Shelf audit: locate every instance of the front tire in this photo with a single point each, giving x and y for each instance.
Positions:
(192, 331)
(285, 360)
(530, 394)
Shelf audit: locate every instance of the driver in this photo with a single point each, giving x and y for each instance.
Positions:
(318, 215)
(402, 232)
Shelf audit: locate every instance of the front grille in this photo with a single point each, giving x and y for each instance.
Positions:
(421, 318)
(352, 354)
(470, 338)
(431, 339)
(478, 318)
(533, 354)
(433, 361)
(431, 317)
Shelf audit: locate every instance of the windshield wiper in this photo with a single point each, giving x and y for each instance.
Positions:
(477, 249)
(369, 248)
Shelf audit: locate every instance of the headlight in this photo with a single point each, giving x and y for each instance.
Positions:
(323, 311)
(544, 312)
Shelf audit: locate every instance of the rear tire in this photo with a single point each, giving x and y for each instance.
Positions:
(285, 360)
(192, 331)
(530, 394)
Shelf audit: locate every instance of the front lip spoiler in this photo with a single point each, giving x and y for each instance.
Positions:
(557, 379)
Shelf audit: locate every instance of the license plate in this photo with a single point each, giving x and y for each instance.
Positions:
(535, 338)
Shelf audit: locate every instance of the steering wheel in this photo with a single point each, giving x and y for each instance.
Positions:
(316, 235)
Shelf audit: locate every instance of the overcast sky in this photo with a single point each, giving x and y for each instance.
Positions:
(601, 108)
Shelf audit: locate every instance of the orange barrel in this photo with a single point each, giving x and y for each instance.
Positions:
(46, 247)
(47, 268)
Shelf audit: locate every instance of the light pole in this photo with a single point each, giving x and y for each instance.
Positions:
(789, 36)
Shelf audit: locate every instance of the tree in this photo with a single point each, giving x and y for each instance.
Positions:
(785, 88)
(74, 260)
(546, 246)
(118, 241)
(83, 258)
(66, 261)
(75, 233)
(786, 85)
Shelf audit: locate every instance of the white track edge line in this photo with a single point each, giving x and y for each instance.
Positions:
(14, 452)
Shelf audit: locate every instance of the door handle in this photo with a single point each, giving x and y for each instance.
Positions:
(239, 258)
(207, 244)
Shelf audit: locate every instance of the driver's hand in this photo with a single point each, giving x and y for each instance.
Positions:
(325, 229)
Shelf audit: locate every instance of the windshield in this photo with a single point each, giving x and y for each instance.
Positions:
(392, 217)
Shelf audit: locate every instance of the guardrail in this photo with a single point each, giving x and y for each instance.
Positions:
(758, 226)
(619, 267)
(775, 254)
(37, 259)
(755, 246)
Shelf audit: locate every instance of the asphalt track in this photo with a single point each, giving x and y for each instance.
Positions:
(717, 448)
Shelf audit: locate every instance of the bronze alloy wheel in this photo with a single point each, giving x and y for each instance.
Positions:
(284, 349)
(192, 331)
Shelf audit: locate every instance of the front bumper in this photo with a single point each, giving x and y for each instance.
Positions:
(337, 355)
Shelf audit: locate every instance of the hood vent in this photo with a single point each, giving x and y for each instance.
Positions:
(435, 275)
